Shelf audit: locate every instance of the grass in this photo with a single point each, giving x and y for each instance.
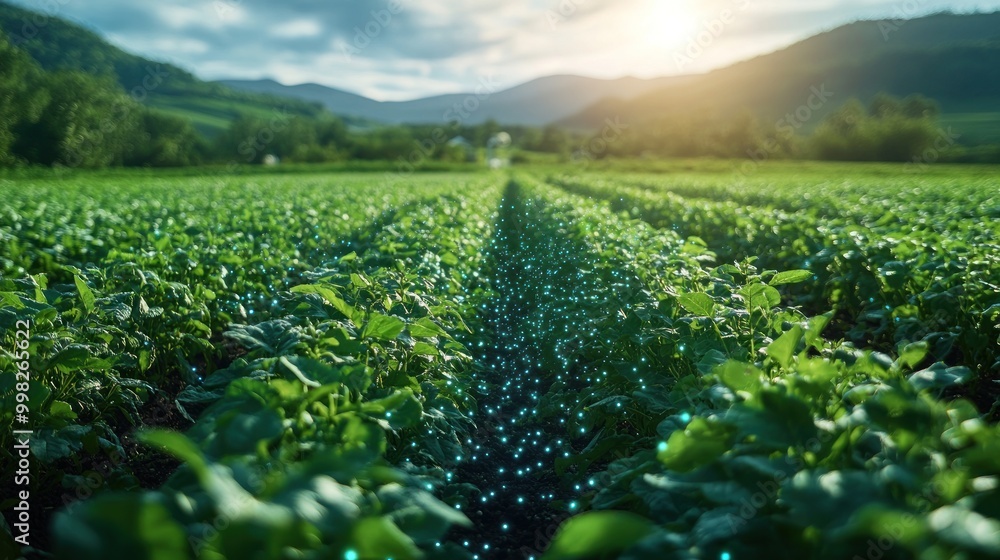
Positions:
(210, 116)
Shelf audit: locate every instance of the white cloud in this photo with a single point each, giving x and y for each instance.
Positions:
(297, 28)
(437, 47)
(207, 15)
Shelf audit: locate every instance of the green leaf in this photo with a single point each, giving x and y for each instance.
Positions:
(324, 502)
(343, 343)
(361, 443)
(419, 514)
(712, 359)
(50, 445)
(940, 376)
(86, 295)
(424, 349)
(831, 499)
(121, 526)
(913, 354)
(331, 297)
(814, 330)
(359, 281)
(383, 327)
(378, 537)
(881, 521)
(145, 358)
(598, 534)
(294, 370)
(700, 443)
(425, 327)
(739, 376)
(41, 282)
(790, 277)
(60, 409)
(179, 446)
(967, 529)
(774, 418)
(400, 409)
(240, 434)
(760, 296)
(783, 348)
(698, 303)
(11, 299)
(76, 357)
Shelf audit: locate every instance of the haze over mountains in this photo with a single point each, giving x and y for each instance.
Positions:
(538, 102)
(951, 58)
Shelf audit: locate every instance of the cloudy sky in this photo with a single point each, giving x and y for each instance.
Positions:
(402, 49)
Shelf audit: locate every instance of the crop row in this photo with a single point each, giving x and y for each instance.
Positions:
(759, 437)
(890, 283)
(110, 342)
(924, 200)
(330, 434)
(455, 367)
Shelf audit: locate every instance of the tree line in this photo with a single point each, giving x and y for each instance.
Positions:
(889, 129)
(77, 119)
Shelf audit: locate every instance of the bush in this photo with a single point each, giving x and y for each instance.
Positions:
(891, 130)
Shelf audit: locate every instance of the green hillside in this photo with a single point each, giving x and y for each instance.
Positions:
(62, 45)
(950, 58)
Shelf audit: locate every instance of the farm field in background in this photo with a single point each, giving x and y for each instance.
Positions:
(685, 359)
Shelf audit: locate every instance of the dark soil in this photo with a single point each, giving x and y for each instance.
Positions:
(531, 524)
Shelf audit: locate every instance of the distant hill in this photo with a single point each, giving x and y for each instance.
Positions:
(537, 102)
(63, 45)
(951, 58)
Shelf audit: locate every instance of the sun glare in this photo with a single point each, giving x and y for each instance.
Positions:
(666, 24)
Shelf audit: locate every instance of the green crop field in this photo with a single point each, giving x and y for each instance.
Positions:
(671, 361)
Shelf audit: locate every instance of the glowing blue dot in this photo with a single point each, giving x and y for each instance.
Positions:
(685, 417)
(662, 447)
(351, 555)
(725, 556)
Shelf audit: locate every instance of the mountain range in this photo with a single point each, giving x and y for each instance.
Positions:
(538, 102)
(948, 57)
